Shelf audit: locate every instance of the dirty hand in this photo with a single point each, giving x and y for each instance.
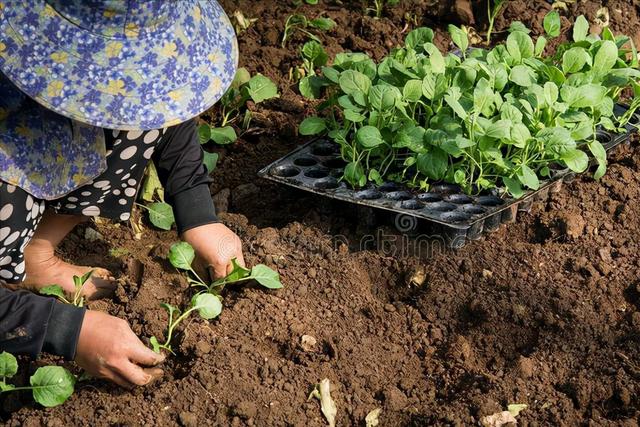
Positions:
(108, 348)
(216, 245)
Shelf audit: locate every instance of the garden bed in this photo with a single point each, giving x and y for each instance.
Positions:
(545, 312)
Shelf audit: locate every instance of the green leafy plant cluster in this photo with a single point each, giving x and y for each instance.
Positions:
(208, 302)
(313, 57)
(50, 385)
(77, 299)
(233, 104)
(482, 118)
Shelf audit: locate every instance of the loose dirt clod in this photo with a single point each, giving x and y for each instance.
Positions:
(308, 343)
(499, 419)
(371, 420)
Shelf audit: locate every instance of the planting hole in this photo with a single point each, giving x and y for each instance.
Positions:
(473, 209)
(603, 138)
(388, 187)
(325, 149)
(429, 197)
(490, 201)
(458, 199)
(327, 184)
(443, 207)
(446, 188)
(412, 204)
(336, 163)
(368, 195)
(316, 173)
(305, 161)
(399, 195)
(285, 171)
(455, 216)
(635, 119)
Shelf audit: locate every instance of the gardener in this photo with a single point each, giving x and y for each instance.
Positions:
(122, 83)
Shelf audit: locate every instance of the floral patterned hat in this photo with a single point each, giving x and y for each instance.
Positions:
(119, 64)
(45, 154)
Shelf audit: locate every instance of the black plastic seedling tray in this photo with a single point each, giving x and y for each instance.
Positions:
(317, 167)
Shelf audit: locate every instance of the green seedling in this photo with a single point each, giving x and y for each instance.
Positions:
(233, 106)
(313, 56)
(300, 23)
(379, 5)
(486, 118)
(493, 12)
(207, 302)
(50, 385)
(58, 292)
(152, 193)
(208, 307)
(182, 255)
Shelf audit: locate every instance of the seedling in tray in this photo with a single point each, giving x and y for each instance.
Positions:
(58, 292)
(484, 119)
(51, 385)
(207, 302)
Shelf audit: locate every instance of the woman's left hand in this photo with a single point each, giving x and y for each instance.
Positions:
(216, 245)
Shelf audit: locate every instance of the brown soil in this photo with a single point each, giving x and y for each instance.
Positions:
(545, 311)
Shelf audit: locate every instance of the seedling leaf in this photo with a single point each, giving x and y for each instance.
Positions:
(54, 290)
(208, 305)
(266, 276)
(52, 385)
(210, 161)
(313, 126)
(552, 24)
(8, 365)
(260, 89)
(161, 215)
(224, 135)
(155, 345)
(181, 255)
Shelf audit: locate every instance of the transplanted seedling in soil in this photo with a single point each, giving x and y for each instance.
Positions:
(182, 255)
(208, 307)
(208, 301)
(58, 292)
(299, 22)
(244, 88)
(379, 5)
(313, 56)
(51, 385)
(499, 118)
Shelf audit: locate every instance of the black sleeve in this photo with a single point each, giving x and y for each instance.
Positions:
(179, 161)
(31, 324)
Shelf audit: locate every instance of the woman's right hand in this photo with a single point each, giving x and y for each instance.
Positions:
(108, 348)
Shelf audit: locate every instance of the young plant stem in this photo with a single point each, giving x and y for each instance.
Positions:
(172, 325)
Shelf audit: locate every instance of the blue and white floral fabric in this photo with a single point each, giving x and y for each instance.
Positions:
(119, 64)
(42, 152)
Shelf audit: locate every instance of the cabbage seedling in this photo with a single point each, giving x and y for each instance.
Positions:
(58, 292)
(181, 256)
(51, 385)
(208, 302)
(208, 307)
